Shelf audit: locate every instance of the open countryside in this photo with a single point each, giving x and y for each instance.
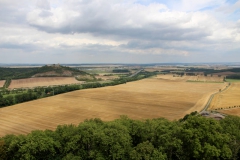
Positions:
(227, 101)
(42, 81)
(148, 98)
(193, 78)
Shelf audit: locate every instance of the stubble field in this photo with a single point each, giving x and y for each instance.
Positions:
(149, 98)
(2, 83)
(192, 78)
(41, 81)
(226, 99)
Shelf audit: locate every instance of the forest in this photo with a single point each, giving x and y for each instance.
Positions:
(193, 137)
(19, 73)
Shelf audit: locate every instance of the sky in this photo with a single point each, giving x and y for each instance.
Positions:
(119, 31)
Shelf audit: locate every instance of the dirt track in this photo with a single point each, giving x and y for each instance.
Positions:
(41, 81)
(149, 98)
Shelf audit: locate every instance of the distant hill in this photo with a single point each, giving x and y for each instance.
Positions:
(45, 71)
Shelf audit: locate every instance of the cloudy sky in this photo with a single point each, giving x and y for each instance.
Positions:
(119, 31)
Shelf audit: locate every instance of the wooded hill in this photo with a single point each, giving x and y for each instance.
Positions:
(191, 138)
(45, 71)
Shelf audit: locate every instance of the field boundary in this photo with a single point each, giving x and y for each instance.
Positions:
(204, 81)
(211, 97)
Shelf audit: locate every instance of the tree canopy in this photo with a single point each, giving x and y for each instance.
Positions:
(194, 137)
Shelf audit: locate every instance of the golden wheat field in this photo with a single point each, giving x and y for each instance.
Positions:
(148, 98)
(226, 99)
(192, 78)
(42, 81)
(2, 83)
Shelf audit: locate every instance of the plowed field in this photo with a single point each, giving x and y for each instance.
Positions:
(2, 83)
(41, 81)
(149, 98)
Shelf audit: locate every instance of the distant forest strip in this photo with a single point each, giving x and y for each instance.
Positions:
(192, 138)
(20, 73)
(190, 71)
(120, 71)
(11, 97)
(233, 76)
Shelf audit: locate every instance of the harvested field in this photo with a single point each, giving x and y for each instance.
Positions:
(233, 111)
(107, 77)
(148, 98)
(224, 73)
(191, 78)
(42, 81)
(226, 99)
(2, 82)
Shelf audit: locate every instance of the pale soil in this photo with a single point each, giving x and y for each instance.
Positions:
(149, 98)
(227, 98)
(2, 82)
(42, 81)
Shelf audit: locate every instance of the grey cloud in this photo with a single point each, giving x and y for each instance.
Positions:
(26, 47)
(45, 13)
(100, 20)
(43, 4)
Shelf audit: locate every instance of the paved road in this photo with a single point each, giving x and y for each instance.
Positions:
(211, 97)
(134, 74)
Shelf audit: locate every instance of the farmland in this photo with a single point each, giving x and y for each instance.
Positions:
(2, 83)
(41, 81)
(193, 78)
(149, 98)
(229, 98)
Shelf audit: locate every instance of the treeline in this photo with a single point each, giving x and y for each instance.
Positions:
(233, 76)
(20, 73)
(193, 138)
(8, 98)
(7, 83)
(120, 71)
(9, 73)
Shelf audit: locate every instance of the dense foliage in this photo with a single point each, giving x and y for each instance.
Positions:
(19, 73)
(237, 76)
(195, 137)
(9, 73)
(120, 70)
(205, 70)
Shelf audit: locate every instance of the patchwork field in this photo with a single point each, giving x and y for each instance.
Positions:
(2, 83)
(41, 81)
(148, 98)
(226, 99)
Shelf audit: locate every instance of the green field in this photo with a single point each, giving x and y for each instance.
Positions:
(232, 80)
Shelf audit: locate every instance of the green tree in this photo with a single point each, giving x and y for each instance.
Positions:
(204, 139)
(146, 151)
(231, 126)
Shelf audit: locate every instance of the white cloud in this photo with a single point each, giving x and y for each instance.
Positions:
(117, 28)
